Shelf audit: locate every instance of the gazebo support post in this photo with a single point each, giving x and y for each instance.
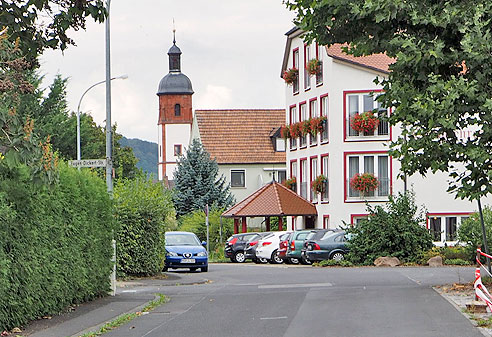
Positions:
(280, 223)
(236, 225)
(267, 224)
(245, 228)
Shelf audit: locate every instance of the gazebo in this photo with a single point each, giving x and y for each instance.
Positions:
(272, 200)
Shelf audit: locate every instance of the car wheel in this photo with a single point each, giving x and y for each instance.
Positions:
(239, 257)
(293, 260)
(338, 256)
(275, 258)
(304, 260)
(204, 269)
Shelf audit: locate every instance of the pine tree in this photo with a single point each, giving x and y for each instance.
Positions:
(197, 182)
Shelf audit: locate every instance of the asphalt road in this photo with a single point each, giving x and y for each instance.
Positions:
(302, 301)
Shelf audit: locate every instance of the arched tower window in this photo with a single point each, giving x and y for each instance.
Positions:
(177, 110)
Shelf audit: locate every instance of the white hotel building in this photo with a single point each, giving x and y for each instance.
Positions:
(342, 89)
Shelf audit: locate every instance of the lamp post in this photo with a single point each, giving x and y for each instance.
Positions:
(122, 77)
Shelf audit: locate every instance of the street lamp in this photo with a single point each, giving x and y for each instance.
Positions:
(122, 77)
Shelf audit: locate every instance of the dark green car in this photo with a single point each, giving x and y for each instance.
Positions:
(296, 243)
(332, 246)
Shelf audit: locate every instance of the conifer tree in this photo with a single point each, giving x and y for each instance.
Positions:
(197, 182)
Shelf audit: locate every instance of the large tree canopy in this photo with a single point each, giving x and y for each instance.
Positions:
(41, 24)
(439, 85)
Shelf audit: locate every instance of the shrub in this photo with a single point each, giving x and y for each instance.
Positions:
(195, 222)
(459, 262)
(55, 247)
(470, 232)
(393, 230)
(143, 211)
(329, 263)
(426, 255)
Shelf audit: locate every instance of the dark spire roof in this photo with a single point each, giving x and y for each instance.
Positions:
(175, 82)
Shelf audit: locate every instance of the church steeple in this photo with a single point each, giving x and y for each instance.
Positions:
(174, 56)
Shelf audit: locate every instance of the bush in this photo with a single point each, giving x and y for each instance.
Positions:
(395, 230)
(459, 262)
(143, 211)
(470, 232)
(55, 247)
(330, 263)
(195, 222)
(447, 253)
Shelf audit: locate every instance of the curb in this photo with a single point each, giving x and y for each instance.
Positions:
(169, 284)
(98, 326)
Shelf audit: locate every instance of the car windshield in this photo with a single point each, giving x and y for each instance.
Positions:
(182, 240)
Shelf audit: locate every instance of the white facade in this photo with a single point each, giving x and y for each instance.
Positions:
(345, 89)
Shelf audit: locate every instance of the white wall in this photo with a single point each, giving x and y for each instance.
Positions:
(175, 134)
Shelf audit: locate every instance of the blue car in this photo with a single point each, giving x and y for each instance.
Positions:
(184, 250)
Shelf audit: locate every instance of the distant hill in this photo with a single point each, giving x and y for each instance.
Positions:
(146, 152)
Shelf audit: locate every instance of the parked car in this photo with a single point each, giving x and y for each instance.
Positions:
(250, 248)
(331, 246)
(314, 235)
(296, 242)
(268, 248)
(235, 246)
(184, 250)
(282, 246)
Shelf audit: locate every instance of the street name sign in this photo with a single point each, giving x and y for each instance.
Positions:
(87, 163)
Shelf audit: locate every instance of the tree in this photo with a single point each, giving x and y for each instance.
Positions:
(439, 83)
(197, 184)
(42, 24)
(393, 230)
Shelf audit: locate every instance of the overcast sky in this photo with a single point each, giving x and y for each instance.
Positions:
(232, 52)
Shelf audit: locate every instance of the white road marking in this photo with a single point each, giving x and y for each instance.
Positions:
(299, 285)
(281, 317)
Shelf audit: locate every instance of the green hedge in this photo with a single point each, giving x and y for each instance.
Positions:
(55, 243)
(143, 211)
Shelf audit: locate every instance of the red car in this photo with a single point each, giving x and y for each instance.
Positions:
(283, 245)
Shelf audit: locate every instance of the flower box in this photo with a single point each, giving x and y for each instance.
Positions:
(313, 66)
(290, 75)
(291, 183)
(364, 122)
(364, 183)
(319, 184)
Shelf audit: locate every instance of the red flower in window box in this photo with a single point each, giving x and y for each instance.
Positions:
(305, 127)
(290, 75)
(364, 183)
(295, 130)
(313, 66)
(317, 124)
(291, 183)
(364, 122)
(285, 131)
(319, 184)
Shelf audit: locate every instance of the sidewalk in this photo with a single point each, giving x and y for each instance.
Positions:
(131, 296)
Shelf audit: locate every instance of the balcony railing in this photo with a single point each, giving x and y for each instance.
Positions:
(293, 143)
(313, 139)
(381, 191)
(324, 133)
(381, 130)
(303, 141)
(295, 85)
(325, 194)
(319, 74)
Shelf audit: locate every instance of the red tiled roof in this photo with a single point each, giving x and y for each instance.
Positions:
(240, 136)
(273, 199)
(379, 62)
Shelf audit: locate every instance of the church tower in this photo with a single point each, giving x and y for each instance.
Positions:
(175, 115)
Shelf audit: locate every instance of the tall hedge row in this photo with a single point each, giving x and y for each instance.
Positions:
(143, 211)
(55, 243)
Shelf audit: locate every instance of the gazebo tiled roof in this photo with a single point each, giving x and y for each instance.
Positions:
(273, 199)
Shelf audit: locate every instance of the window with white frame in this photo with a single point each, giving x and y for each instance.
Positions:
(314, 174)
(238, 178)
(324, 112)
(375, 164)
(444, 228)
(357, 219)
(307, 57)
(313, 112)
(359, 103)
(304, 117)
(324, 171)
(304, 178)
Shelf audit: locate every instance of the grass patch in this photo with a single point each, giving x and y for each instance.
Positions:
(125, 318)
(331, 263)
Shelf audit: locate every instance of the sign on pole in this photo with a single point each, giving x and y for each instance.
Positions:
(87, 163)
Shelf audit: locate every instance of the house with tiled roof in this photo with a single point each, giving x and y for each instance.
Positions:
(246, 144)
(329, 154)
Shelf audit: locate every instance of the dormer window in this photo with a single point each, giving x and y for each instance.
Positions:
(277, 141)
(177, 110)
